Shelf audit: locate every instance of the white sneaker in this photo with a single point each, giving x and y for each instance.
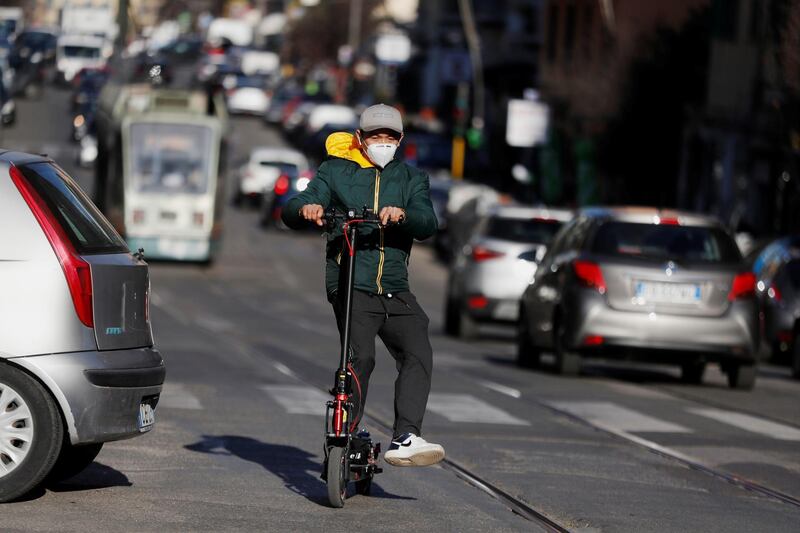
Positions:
(410, 450)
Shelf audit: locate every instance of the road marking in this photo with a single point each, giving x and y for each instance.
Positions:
(283, 369)
(214, 324)
(175, 396)
(502, 389)
(750, 423)
(612, 416)
(158, 300)
(466, 408)
(298, 399)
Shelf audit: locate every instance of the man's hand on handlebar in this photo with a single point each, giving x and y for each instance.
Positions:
(313, 213)
(395, 215)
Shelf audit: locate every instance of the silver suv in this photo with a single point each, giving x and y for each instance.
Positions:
(663, 286)
(77, 363)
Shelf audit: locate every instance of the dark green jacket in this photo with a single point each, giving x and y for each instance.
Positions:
(383, 253)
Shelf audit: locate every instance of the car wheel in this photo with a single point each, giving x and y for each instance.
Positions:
(73, 460)
(467, 326)
(796, 359)
(741, 376)
(31, 433)
(567, 363)
(451, 318)
(527, 353)
(693, 372)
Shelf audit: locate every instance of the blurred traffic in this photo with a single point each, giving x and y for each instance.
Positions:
(611, 181)
(151, 115)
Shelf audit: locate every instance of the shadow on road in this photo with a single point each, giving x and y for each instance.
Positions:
(96, 476)
(297, 468)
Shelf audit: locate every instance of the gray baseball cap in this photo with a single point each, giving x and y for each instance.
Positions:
(380, 116)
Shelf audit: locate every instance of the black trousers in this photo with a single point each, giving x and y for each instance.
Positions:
(402, 325)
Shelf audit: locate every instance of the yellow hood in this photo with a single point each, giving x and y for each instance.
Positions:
(344, 145)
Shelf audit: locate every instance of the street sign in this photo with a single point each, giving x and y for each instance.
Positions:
(527, 123)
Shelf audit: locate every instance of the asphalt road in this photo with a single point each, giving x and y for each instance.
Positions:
(250, 345)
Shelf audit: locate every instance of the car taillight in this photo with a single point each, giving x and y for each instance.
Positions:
(138, 216)
(76, 271)
(589, 275)
(593, 340)
(480, 253)
(477, 302)
(743, 286)
(198, 219)
(282, 185)
(667, 221)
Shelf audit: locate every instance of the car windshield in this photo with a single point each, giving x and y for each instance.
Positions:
(531, 230)
(257, 82)
(87, 229)
(170, 158)
(666, 242)
(89, 52)
(283, 168)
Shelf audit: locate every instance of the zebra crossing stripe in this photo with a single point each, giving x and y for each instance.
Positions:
(750, 423)
(298, 399)
(613, 416)
(466, 408)
(175, 396)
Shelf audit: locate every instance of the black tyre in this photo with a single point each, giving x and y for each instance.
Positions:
(796, 356)
(451, 318)
(364, 486)
(528, 355)
(467, 326)
(337, 476)
(31, 433)
(567, 363)
(693, 372)
(742, 376)
(72, 461)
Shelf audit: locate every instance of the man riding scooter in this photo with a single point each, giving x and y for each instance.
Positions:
(361, 172)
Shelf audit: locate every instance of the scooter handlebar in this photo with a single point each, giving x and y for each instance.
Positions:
(334, 217)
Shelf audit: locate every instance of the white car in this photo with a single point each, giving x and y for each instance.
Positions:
(246, 94)
(263, 168)
(75, 52)
(324, 114)
(494, 268)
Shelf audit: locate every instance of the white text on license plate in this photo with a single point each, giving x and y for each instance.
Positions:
(677, 293)
(147, 417)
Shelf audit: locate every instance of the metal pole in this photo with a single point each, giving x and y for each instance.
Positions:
(474, 46)
(354, 31)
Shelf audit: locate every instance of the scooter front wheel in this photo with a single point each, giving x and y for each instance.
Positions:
(337, 476)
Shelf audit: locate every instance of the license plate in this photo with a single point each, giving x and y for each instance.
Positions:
(506, 311)
(670, 293)
(147, 417)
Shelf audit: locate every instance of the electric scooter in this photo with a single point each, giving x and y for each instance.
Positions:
(348, 456)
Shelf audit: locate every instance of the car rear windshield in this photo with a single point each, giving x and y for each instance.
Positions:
(666, 242)
(284, 168)
(86, 227)
(89, 52)
(532, 230)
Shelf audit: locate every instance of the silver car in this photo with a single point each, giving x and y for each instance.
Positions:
(77, 363)
(489, 275)
(662, 286)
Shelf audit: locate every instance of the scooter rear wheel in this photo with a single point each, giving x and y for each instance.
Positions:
(337, 476)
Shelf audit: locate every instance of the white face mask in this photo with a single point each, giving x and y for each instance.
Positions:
(381, 154)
